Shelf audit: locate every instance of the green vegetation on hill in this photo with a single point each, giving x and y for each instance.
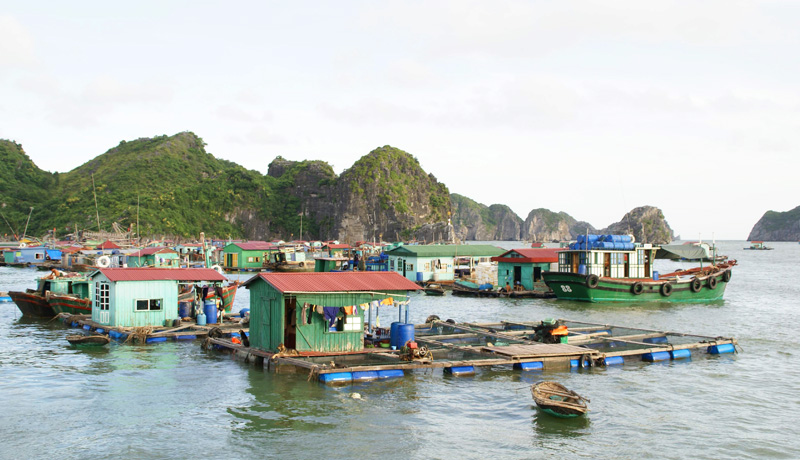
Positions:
(22, 186)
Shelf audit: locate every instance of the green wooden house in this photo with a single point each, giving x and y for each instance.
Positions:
(136, 297)
(437, 262)
(284, 308)
(250, 255)
(524, 267)
(154, 257)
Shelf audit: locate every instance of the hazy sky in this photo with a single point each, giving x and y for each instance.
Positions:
(592, 108)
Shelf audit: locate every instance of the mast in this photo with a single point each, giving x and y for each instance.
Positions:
(94, 192)
(26, 223)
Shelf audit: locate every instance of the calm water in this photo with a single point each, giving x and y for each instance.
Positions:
(172, 400)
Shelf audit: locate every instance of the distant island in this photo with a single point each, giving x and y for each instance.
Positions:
(169, 186)
(777, 226)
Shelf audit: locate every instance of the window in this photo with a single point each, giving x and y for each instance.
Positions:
(391, 264)
(39, 256)
(148, 304)
(101, 295)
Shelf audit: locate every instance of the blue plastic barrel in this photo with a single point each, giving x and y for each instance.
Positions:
(720, 349)
(243, 312)
(405, 333)
(582, 269)
(681, 354)
(365, 376)
(185, 309)
(460, 370)
(531, 366)
(419, 276)
(201, 319)
(393, 333)
(655, 275)
(656, 356)
(390, 373)
(185, 337)
(611, 360)
(210, 309)
(336, 377)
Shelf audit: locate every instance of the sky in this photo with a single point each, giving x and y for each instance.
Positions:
(588, 107)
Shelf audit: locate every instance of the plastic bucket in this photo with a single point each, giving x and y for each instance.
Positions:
(210, 309)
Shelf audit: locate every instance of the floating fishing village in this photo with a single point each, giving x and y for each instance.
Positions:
(340, 312)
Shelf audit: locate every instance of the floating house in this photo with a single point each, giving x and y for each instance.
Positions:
(524, 267)
(337, 249)
(36, 255)
(137, 297)
(437, 262)
(317, 312)
(154, 257)
(251, 255)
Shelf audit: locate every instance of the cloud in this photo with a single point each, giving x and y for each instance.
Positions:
(16, 45)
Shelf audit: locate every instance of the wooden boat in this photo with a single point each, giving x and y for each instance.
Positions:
(35, 302)
(69, 303)
(81, 339)
(434, 289)
(758, 246)
(557, 400)
(623, 271)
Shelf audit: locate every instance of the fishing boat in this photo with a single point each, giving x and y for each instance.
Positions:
(36, 302)
(434, 289)
(556, 399)
(606, 268)
(758, 246)
(83, 339)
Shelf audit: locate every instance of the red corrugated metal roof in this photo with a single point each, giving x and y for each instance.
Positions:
(530, 255)
(338, 246)
(108, 245)
(256, 246)
(161, 274)
(336, 281)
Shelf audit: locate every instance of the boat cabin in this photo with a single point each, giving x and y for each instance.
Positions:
(614, 256)
(136, 297)
(315, 311)
(522, 268)
(36, 255)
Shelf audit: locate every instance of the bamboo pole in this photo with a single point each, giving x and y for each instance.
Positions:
(680, 334)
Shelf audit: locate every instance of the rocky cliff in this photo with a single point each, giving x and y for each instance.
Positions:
(777, 226)
(477, 222)
(646, 223)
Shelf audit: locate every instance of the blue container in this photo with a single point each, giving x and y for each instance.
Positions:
(393, 333)
(87, 327)
(210, 309)
(391, 373)
(201, 319)
(656, 356)
(74, 324)
(611, 360)
(243, 312)
(336, 377)
(721, 349)
(460, 370)
(365, 376)
(655, 275)
(155, 339)
(573, 363)
(485, 287)
(532, 366)
(185, 309)
(405, 333)
(99, 330)
(113, 334)
(419, 277)
(681, 354)
(185, 337)
(582, 269)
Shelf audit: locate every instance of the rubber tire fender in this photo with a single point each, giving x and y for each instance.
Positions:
(666, 289)
(696, 285)
(592, 281)
(586, 361)
(712, 282)
(727, 276)
(637, 288)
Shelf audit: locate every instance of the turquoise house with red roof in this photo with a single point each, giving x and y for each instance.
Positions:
(525, 267)
(138, 297)
(247, 256)
(154, 257)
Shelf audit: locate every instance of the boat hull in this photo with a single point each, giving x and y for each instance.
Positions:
(573, 286)
(32, 305)
(70, 304)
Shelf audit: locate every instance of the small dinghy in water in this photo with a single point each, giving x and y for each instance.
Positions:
(80, 339)
(555, 399)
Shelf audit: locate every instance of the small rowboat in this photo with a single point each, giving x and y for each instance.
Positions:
(434, 289)
(81, 339)
(555, 399)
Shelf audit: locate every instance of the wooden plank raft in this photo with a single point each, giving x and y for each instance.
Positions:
(540, 350)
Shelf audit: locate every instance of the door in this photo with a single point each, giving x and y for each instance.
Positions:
(517, 276)
(607, 264)
(290, 324)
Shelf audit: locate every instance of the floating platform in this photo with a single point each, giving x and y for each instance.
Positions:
(187, 330)
(461, 348)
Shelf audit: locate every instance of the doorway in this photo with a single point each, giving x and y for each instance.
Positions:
(290, 324)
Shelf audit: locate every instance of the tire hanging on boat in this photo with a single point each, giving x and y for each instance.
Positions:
(696, 285)
(586, 361)
(726, 276)
(592, 281)
(712, 282)
(666, 289)
(637, 288)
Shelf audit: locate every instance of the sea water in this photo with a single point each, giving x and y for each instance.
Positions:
(173, 400)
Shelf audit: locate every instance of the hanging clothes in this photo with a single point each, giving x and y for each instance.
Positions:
(348, 310)
(304, 314)
(330, 315)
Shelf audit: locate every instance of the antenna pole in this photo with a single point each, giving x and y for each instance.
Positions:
(95, 204)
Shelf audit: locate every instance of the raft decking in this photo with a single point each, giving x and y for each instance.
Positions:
(188, 330)
(461, 347)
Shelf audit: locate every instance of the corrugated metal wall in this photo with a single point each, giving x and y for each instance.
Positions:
(123, 302)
